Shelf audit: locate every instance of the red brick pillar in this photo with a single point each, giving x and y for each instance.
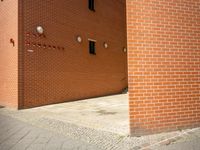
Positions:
(163, 65)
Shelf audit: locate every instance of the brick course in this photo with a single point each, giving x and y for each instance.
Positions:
(163, 65)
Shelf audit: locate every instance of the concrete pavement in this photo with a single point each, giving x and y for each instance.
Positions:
(17, 135)
(90, 124)
(109, 113)
(188, 145)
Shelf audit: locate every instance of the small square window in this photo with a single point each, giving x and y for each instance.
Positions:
(92, 47)
(91, 5)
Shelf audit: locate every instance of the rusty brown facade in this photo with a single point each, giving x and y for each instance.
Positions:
(55, 67)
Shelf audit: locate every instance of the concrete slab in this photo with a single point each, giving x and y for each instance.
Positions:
(108, 113)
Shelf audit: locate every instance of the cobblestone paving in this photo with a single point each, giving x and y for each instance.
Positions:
(22, 130)
(17, 135)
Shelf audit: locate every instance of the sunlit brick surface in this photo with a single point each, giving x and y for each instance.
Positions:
(9, 53)
(163, 64)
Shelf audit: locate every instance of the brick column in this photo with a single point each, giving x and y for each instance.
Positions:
(163, 65)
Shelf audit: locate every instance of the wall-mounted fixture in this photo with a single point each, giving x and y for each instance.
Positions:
(12, 42)
(125, 49)
(105, 45)
(30, 50)
(79, 39)
(40, 30)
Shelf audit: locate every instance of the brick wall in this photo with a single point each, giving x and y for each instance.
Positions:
(163, 64)
(56, 67)
(9, 53)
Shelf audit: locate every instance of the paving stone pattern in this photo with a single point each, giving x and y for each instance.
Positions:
(17, 135)
(58, 127)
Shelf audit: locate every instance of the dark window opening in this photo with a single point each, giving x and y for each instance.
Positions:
(92, 47)
(91, 5)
